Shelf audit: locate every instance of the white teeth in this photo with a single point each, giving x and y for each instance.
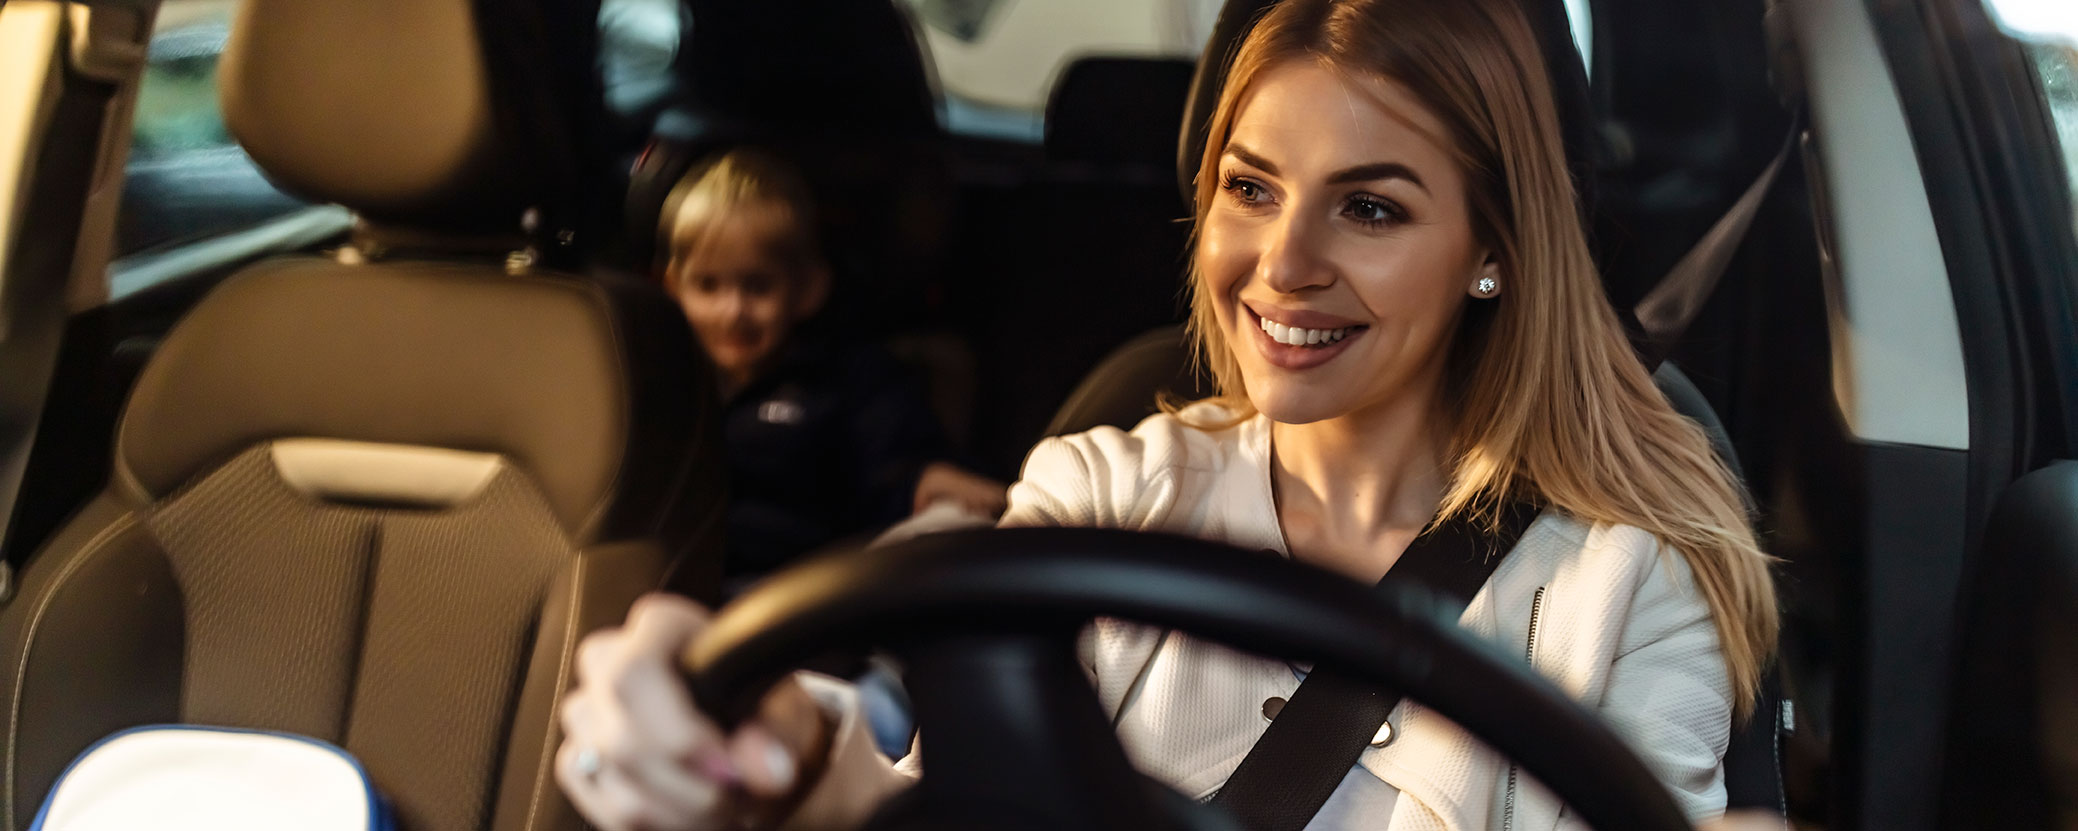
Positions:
(1295, 336)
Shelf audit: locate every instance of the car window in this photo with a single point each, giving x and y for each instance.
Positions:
(638, 41)
(996, 59)
(2058, 64)
(1580, 18)
(187, 179)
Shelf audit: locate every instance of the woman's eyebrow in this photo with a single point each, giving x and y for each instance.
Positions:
(1251, 158)
(1374, 172)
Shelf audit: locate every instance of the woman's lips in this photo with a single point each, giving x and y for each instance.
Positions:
(1296, 348)
(1303, 318)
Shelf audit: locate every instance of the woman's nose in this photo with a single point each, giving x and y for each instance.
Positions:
(1291, 259)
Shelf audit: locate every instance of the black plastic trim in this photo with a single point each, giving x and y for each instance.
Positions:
(38, 277)
(1899, 642)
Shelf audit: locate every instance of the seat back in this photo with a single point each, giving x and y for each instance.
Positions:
(376, 498)
(373, 509)
(2013, 722)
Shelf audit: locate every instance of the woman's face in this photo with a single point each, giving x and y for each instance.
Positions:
(1338, 250)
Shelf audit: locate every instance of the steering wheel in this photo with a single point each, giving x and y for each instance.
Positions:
(985, 622)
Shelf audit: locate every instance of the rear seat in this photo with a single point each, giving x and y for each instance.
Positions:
(1084, 257)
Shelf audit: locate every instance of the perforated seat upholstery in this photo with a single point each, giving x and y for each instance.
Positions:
(375, 500)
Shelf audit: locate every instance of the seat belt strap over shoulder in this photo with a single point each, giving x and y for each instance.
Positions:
(1314, 740)
(1674, 302)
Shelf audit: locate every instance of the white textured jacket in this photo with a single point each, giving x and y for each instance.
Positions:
(1606, 613)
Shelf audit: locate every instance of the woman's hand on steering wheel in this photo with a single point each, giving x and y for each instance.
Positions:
(637, 753)
(1745, 821)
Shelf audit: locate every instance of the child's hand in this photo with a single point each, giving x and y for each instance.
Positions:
(946, 482)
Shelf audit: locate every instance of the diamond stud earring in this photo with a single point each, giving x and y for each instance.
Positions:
(1487, 287)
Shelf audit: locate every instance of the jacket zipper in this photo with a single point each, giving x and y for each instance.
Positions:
(1529, 654)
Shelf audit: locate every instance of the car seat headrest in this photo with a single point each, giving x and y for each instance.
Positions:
(384, 106)
(849, 68)
(527, 369)
(1116, 110)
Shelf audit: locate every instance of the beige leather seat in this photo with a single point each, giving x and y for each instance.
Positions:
(375, 501)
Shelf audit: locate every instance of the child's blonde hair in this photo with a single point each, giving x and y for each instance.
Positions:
(735, 183)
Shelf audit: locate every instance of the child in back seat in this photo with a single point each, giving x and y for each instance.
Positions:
(825, 439)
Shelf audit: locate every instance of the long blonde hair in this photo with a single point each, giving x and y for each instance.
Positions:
(1549, 402)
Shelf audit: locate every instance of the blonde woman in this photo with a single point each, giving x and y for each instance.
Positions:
(1391, 286)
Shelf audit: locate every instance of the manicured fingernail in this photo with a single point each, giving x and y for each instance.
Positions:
(780, 764)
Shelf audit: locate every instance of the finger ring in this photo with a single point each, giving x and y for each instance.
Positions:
(587, 763)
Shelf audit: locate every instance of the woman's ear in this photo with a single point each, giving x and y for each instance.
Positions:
(1486, 282)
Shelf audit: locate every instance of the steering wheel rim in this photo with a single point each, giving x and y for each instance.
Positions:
(1034, 587)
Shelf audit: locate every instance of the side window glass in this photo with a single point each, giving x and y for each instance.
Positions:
(2058, 64)
(638, 42)
(187, 179)
(1580, 18)
(996, 59)
(2049, 29)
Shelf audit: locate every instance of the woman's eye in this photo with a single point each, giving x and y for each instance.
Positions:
(1373, 211)
(1245, 190)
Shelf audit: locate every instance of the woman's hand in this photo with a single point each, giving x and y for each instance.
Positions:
(638, 756)
(943, 481)
(1745, 821)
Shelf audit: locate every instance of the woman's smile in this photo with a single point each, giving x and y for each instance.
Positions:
(1301, 340)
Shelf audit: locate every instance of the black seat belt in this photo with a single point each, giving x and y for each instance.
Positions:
(1318, 735)
(1674, 302)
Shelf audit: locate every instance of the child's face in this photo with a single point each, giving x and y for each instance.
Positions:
(740, 294)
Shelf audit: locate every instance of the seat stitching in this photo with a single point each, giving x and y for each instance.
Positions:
(14, 716)
(555, 701)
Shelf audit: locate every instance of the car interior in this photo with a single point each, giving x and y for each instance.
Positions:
(334, 366)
